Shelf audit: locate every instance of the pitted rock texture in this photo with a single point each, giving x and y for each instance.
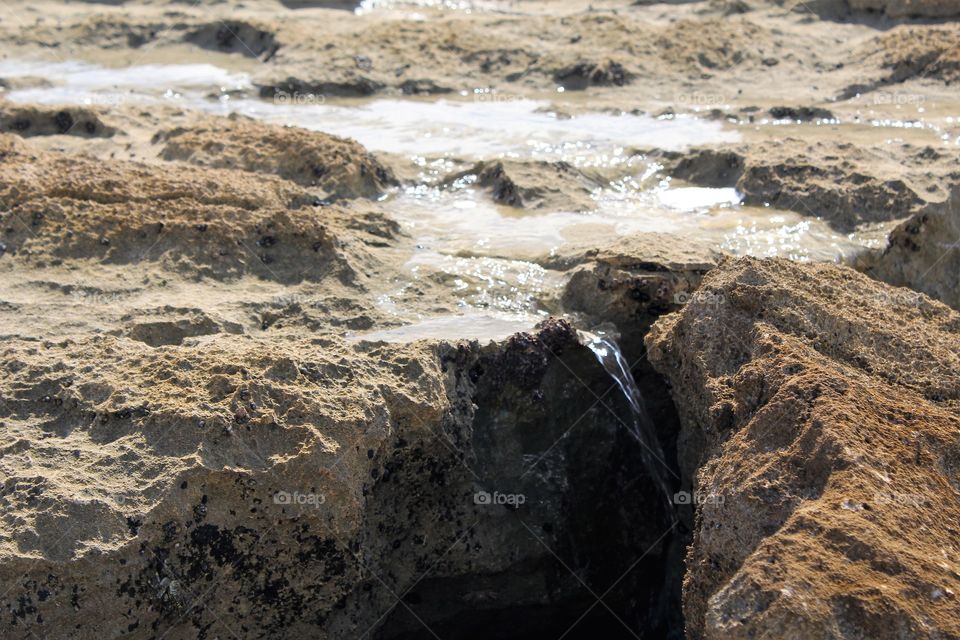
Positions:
(37, 120)
(208, 222)
(923, 253)
(632, 281)
(277, 486)
(822, 435)
(339, 166)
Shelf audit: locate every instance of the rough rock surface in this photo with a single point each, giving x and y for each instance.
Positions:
(907, 53)
(214, 222)
(271, 486)
(906, 8)
(845, 184)
(631, 281)
(554, 186)
(923, 253)
(820, 417)
(339, 166)
(34, 120)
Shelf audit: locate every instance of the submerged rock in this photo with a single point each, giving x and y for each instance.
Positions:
(553, 186)
(820, 438)
(845, 184)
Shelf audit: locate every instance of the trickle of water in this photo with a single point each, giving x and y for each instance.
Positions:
(641, 427)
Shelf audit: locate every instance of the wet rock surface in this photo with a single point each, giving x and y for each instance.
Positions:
(845, 184)
(820, 424)
(534, 185)
(634, 281)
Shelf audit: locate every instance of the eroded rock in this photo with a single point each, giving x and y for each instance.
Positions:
(207, 222)
(820, 432)
(847, 185)
(632, 281)
(923, 253)
(36, 120)
(278, 486)
(339, 166)
(553, 186)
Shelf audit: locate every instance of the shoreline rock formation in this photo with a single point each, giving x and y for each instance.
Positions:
(820, 430)
(202, 434)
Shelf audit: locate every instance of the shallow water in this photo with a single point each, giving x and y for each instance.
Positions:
(484, 252)
(471, 325)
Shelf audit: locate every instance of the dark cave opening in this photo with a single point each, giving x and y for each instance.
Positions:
(607, 555)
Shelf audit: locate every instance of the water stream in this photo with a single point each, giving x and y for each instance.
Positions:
(641, 427)
(489, 255)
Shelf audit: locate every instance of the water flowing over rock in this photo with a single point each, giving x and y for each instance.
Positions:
(610, 356)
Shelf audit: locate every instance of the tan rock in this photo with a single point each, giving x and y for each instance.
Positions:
(820, 422)
(41, 120)
(339, 166)
(923, 253)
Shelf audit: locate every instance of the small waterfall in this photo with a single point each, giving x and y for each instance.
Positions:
(641, 427)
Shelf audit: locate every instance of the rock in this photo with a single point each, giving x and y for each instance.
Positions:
(339, 166)
(215, 223)
(906, 8)
(581, 75)
(820, 433)
(284, 89)
(235, 36)
(845, 184)
(923, 253)
(800, 114)
(42, 120)
(553, 186)
(861, 9)
(279, 487)
(904, 53)
(632, 280)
